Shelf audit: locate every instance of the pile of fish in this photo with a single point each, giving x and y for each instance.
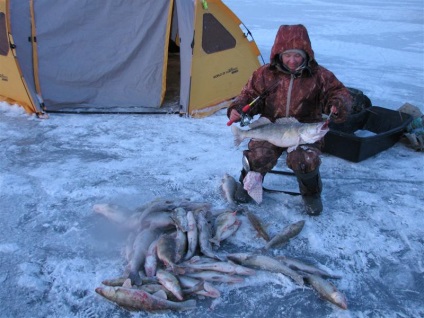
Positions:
(174, 253)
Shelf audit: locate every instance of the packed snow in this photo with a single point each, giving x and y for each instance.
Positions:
(54, 251)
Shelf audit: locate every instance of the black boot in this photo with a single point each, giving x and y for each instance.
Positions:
(310, 187)
(241, 195)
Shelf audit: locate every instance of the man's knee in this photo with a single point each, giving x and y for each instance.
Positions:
(304, 159)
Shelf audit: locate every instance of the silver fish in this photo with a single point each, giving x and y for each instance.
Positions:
(285, 132)
(141, 244)
(306, 268)
(179, 215)
(218, 266)
(151, 261)
(327, 290)
(286, 234)
(230, 230)
(170, 282)
(180, 244)
(205, 235)
(118, 282)
(158, 220)
(138, 299)
(208, 289)
(221, 225)
(192, 235)
(166, 250)
(114, 212)
(266, 263)
(229, 186)
(213, 276)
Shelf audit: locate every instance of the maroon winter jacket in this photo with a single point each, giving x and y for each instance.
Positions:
(309, 93)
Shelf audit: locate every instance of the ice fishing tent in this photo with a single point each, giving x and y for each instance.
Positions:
(112, 54)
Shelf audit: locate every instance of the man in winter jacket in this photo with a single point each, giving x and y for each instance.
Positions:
(294, 86)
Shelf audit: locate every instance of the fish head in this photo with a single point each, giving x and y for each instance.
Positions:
(106, 291)
(311, 133)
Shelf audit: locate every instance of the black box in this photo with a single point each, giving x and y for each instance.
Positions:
(383, 128)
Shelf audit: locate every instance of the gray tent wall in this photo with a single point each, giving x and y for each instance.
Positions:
(88, 49)
(185, 12)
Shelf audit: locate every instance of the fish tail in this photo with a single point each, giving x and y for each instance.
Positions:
(238, 138)
(215, 241)
(135, 278)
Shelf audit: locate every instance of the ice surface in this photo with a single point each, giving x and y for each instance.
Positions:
(54, 250)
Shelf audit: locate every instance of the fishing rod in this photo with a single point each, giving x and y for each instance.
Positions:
(245, 118)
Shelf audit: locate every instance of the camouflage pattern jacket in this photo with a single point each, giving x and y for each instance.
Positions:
(305, 95)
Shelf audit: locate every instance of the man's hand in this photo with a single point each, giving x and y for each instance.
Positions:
(334, 112)
(234, 117)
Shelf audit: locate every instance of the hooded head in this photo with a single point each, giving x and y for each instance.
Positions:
(292, 37)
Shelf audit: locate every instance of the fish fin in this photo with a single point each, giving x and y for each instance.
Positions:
(135, 278)
(160, 294)
(262, 121)
(215, 241)
(237, 136)
(127, 283)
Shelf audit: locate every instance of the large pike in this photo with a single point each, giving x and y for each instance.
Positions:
(327, 290)
(285, 132)
(286, 234)
(266, 263)
(138, 299)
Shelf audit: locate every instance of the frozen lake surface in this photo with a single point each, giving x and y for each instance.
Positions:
(54, 251)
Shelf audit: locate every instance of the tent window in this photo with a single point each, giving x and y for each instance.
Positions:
(4, 43)
(215, 36)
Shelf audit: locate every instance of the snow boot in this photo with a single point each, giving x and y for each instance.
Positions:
(310, 187)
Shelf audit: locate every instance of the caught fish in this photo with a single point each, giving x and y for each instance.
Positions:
(179, 215)
(213, 276)
(138, 299)
(192, 235)
(166, 250)
(151, 261)
(266, 263)
(119, 282)
(140, 247)
(208, 289)
(221, 225)
(114, 212)
(170, 282)
(218, 266)
(230, 230)
(229, 186)
(257, 224)
(286, 234)
(180, 244)
(204, 229)
(306, 268)
(327, 290)
(285, 132)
